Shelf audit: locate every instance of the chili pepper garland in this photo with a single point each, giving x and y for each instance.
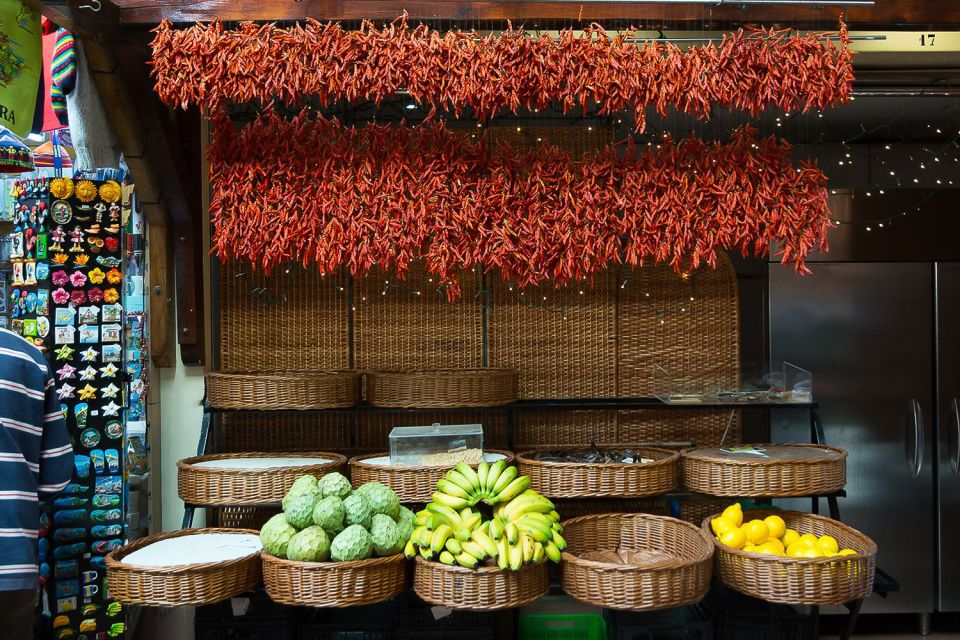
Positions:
(311, 190)
(208, 65)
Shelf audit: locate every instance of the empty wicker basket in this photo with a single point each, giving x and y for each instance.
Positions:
(481, 589)
(283, 389)
(605, 479)
(812, 581)
(206, 480)
(334, 584)
(673, 567)
(442, 388)
(179, 585)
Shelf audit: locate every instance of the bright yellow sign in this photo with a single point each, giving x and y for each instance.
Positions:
(21, 59)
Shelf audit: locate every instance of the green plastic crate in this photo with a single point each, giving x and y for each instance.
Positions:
(574, 626)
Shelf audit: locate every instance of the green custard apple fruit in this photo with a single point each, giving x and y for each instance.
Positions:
(329, 513)
(310, 545)
(357, 510)
(303, 483)
(386, 536)
(275, 535)
(334, 484)
(405, 515)
(353, 543)
(298, 508)
(406, 529)
(381, 498)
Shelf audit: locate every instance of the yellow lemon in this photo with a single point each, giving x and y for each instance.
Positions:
(776, 525)
(719, 525)
(733, 538)
(756, 531)
(789, 537)
(771, 546)
(812, 552)
(749, 547)
(828, 543)
(846, 552)
(797, 550)
(733, 514)
(809, 539)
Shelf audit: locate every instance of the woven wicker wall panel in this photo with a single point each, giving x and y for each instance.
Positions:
(563, 341)
(700, 428)
(295, 319)
(563, 428)
(287, 432)
(373, 429)
(395, 327)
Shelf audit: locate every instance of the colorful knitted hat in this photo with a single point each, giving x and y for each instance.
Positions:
(15, 157)
(64, 64)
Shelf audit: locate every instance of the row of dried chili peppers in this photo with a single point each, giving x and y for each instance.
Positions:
(209, 65)
(312, 190)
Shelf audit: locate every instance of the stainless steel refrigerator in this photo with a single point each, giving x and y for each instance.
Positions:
(883, 341)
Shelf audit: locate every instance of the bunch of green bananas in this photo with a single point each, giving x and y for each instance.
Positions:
(491, 483)
(525, 528)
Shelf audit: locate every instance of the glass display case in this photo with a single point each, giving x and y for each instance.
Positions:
(436, 445)
(776, 382)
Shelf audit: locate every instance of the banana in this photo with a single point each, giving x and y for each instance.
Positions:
(410, 550)
(515, 488)
(527, 545)
(440, 536)
(466, 512)
(451, 489)
(453, 546)
(538, 553)
(444, 515)
(538, 519)
(554, 516)
(467, 560)
(426, 538)
(496, 528)
(462, 534)
(533, 531)
(493, 473)
(560, 541)
(552, 551)
(458, 479)
(423, 517)
(520, 506)
(474, 549)
(485, 542)
(426, 553)
(503, 554)
(417, 533)
(447, 500)
(467, 472)
(447, 558)
(557, 527)
(516, 557)
(505, 478)
(512, 533)
(472, 522)
(482, 471)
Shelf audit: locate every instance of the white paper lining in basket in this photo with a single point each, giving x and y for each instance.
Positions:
(384, 461)
(260, 463)
(199, 548)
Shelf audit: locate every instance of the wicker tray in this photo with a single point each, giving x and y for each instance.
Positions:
(411, 484)
(174, 586)
(442, 388)
(283, 389)
(481, 589)
(216, 486)
(597, 480)
(334, 584)
(791, 470)
(678, 571)
(800, 580)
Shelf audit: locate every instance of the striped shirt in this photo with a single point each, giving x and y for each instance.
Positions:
(36, 457)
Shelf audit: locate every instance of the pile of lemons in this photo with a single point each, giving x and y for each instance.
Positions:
(772, 536)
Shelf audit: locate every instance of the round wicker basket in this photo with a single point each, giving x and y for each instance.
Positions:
(219, 486)
(174, 586)
(598, 480)
(673, 568)
(442, 388)
(791, 470)
(480, 589)
(799, 581)
(283, 389)
(411, 484)
(334, 584)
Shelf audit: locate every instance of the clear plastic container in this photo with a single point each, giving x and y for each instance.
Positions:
(775, 382)
(436, 445)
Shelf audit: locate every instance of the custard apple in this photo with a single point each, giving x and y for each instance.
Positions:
(298, 508)
(329, 513)
(334, 484)
(310, 545)
(353, 543)
(385, 536)
(405, 515)
(275, 535)
(406, 529)
(357, 510)
(381, 498)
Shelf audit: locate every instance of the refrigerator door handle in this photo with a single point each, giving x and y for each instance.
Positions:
(913, 438)
(953, 443)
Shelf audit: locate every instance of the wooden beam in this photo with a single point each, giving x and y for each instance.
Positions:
(885, 13)
(158, 247)
(75, 17)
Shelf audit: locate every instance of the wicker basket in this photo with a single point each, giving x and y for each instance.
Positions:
(599, 480)
(214, 486)
(284, 389)
(334, 584)
(481, 589)
(792, 470)
(174, 586)
(799, 581)
(411, 484)
(679, 574)
(442, 388)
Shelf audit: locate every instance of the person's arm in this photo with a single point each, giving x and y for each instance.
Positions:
(56, 452)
